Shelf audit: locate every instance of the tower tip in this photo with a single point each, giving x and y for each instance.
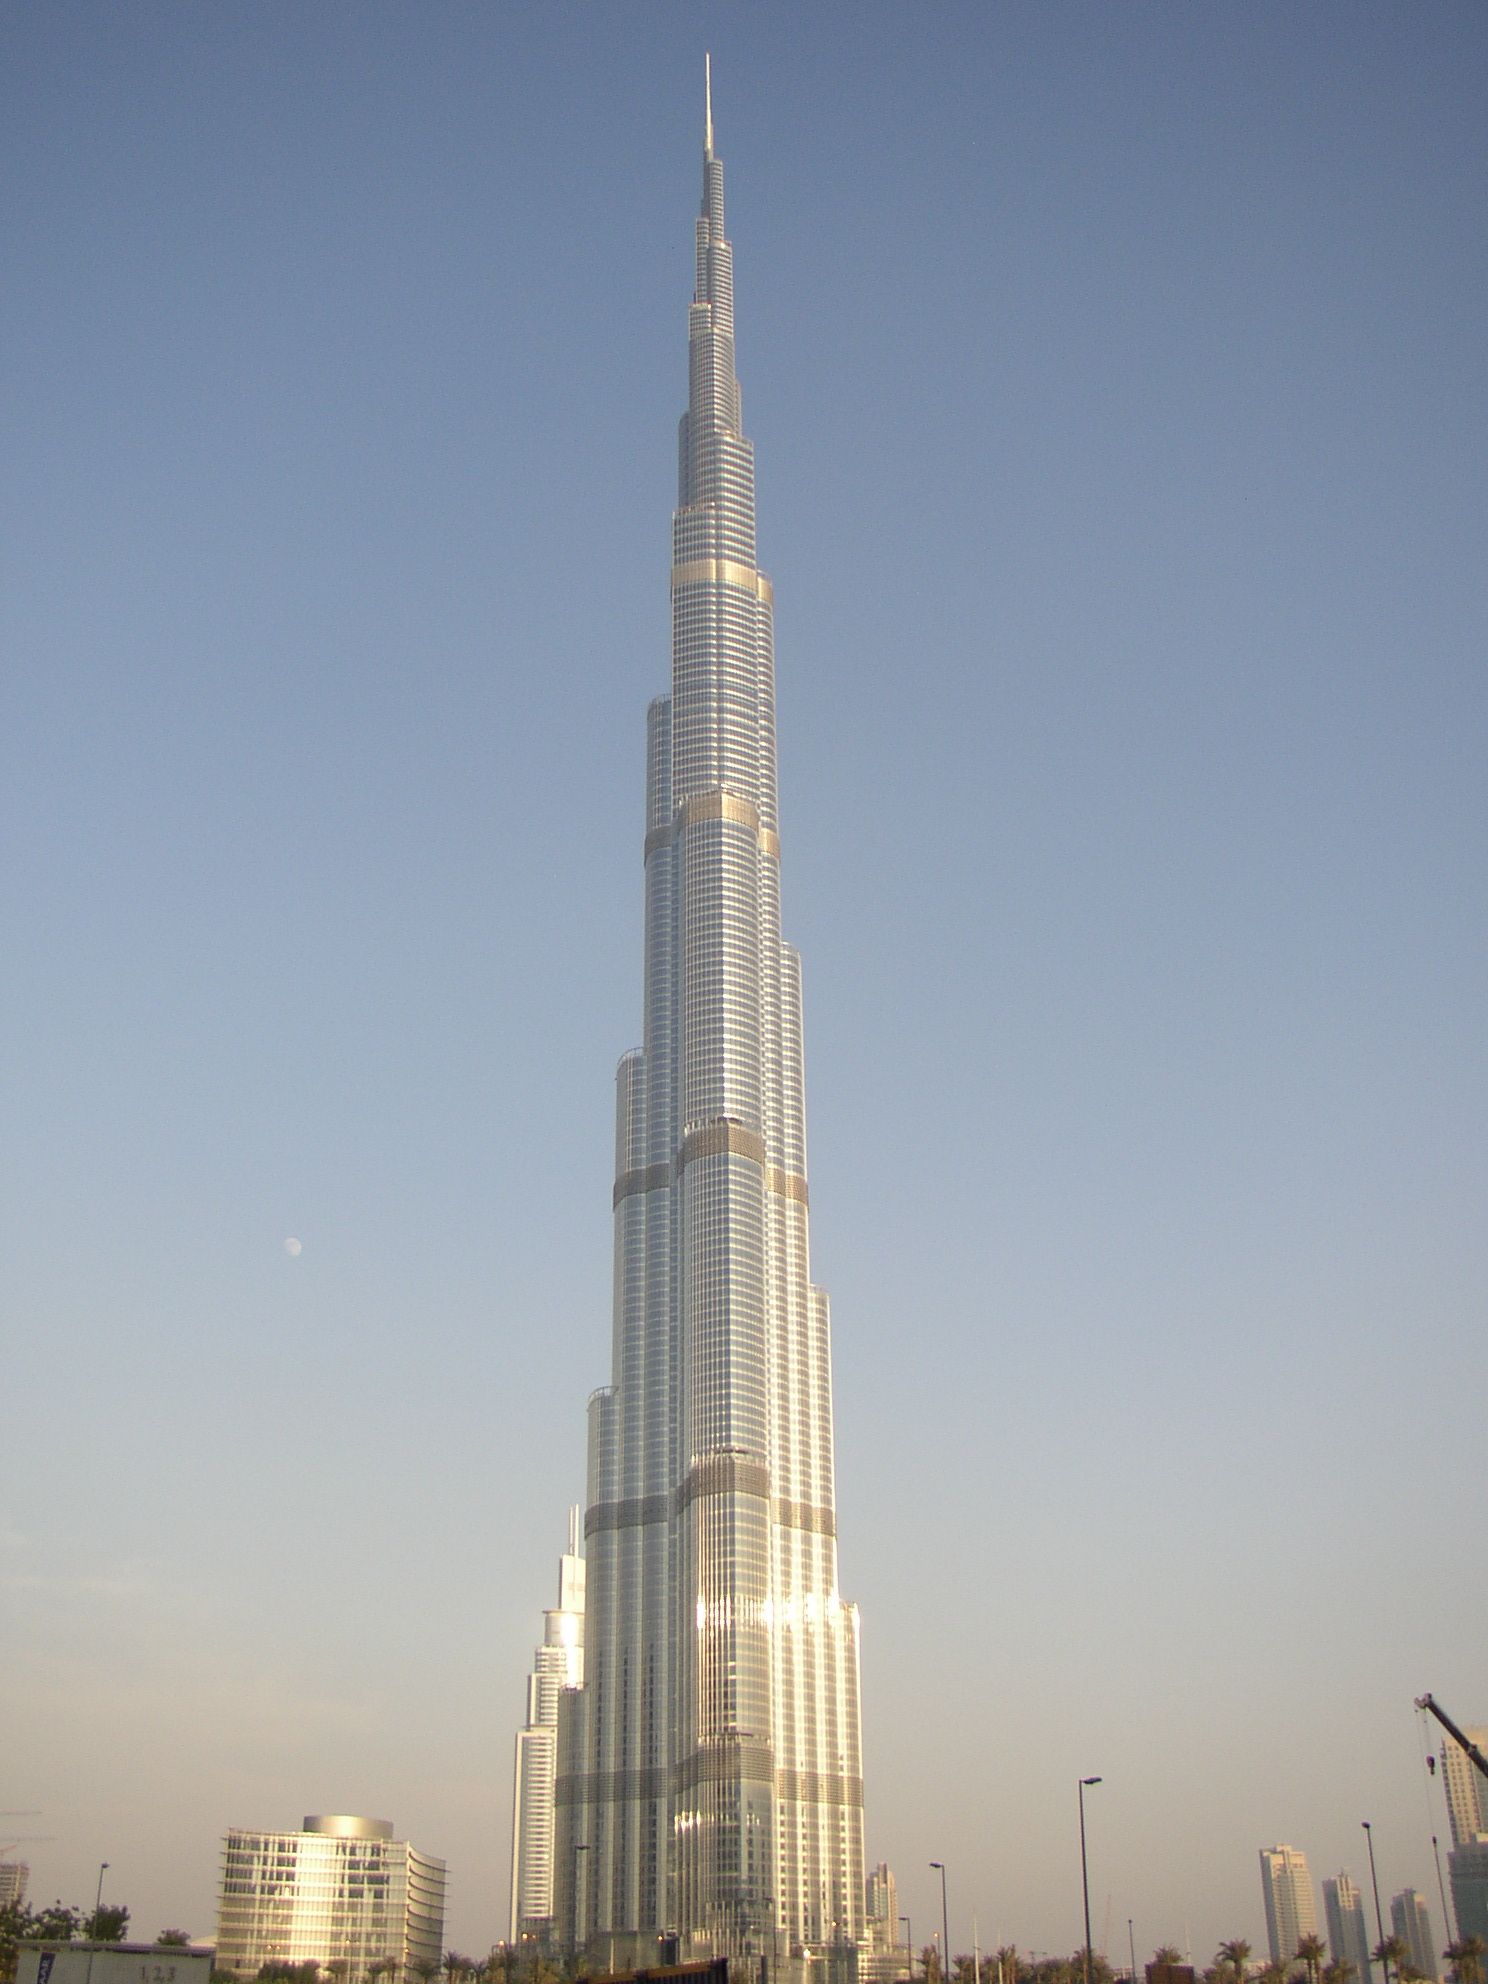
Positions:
(708, 99)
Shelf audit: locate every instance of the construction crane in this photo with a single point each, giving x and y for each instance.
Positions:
(9, 1846)
(1430, 1703)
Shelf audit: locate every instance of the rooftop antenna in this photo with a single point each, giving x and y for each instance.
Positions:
(708, 92)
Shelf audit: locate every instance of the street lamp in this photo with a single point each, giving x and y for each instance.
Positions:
(580, 1847)
(908, 1942)
(945, 1924)
(1084, 1872)
(1379, 1920)
(97, 1911)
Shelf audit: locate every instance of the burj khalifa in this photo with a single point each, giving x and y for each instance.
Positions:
(709, 1796)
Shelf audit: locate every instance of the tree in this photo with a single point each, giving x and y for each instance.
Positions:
(1312, 1952)
(174, 1939)
(1466, 1959)
(55, 1924)
(107, 1924)
(1391, 1950)
(1167, 1956)
(1236, 1955)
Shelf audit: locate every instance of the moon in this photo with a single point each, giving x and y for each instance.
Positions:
(292, 1247)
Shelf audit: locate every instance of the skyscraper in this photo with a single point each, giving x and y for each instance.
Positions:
(1348, 1935)
(558, 1664)
(1410, 1920)
(710, 1781)
(1467, 1793)
(1286, 1887)
(1467, 1872)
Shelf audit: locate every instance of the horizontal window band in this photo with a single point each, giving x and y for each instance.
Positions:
(718, 805)
(632, 1514)
(721, 1136)
(742, 1760)
(806, 1516)
(724, 1474)
(652, 1177)
(819, 1787)
(611, 1787)
(715, 1474)
(726, 1760)
(786, 1184)
(723, 571)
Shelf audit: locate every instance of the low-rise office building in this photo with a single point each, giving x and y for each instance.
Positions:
(341, 1893)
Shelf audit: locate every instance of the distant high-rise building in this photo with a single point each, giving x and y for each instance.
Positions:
(1466, 1788)
(1410, 1920)
(1291, 1912)
(710, 1790)
(881, 1895)
(1348, 1934)
(558, 1664)
(14, 1875)
(881, 1957)
(341, 1892)
(1468, 1878)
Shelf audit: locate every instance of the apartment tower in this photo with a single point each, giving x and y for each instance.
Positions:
(1286, 1887)
(1466, 1788)
(1348, 1934)
(1410, 1920)
(709, 1793)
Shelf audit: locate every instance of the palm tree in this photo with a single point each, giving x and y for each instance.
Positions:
(1273, 1973)
(1166, 1955)
(1236, 1954)
(1313, 1952)
(1466, 1959)
(1391, 1950)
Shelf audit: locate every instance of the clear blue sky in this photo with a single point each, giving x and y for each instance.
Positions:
(1117, 375)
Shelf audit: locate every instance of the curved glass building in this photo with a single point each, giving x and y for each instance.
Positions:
(709, 1779)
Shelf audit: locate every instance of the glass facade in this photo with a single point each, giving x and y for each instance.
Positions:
(342, 1893)
(709, 1773)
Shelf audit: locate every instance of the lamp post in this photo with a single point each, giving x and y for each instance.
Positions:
(1131, 1940)
(945, 1924)
(1379, 1920)
(1440, 1885)
(581, 1847)
(1085, 1873)
(908, 1942)
(97, 1911)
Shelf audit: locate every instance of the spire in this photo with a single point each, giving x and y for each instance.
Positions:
(708, 96)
